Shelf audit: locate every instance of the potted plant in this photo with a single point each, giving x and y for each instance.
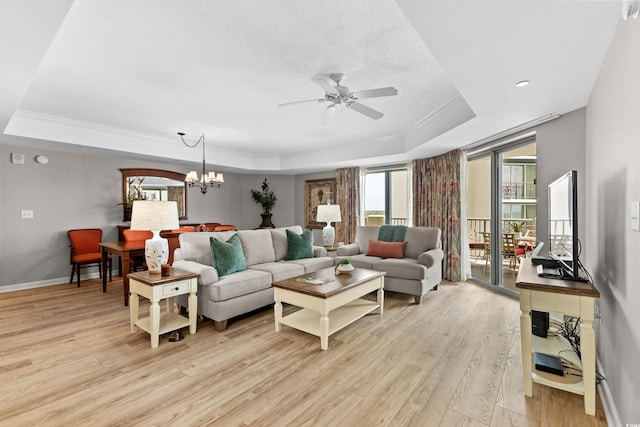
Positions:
(517, 227)
(344, 266)
(267, 199)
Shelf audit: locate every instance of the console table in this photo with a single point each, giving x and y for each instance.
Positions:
(558, 296)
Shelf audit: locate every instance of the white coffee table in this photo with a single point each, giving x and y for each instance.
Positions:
(328, 307)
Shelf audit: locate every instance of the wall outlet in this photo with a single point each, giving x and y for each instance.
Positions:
(635, 216)
(26, 214)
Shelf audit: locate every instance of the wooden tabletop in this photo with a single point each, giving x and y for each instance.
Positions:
(528, 279)
(158, 279)
(131, 245)
(339, 283)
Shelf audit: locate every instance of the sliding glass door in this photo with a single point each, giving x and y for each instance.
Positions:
(501, 212)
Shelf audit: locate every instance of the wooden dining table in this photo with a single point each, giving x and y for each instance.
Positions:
(125, 250)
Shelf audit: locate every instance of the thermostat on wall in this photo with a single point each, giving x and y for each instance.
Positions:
(635, 214)
(43, 160)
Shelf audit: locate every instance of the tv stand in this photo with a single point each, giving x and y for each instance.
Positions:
(559, 296)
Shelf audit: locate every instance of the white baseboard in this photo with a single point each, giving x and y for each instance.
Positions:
(48, 282)
(610, 410)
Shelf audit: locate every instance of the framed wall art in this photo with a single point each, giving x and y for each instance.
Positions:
(317, 192)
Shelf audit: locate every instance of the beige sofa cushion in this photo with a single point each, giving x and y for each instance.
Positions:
(311, 265)
(421, 239)
(257, 246)
(237, 284)
(279, 238)
(364, 233)
(279, 270)
(197, 246)
(406, 268)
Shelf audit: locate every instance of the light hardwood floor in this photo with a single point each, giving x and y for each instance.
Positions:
(68, 358)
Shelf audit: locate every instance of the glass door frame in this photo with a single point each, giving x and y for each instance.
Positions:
(495, 154)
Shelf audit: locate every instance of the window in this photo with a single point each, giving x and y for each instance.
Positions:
(386, 196)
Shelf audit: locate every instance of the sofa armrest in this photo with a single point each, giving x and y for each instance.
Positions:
(319, 251)
(431, 257)
(208, 274)
(348, 250)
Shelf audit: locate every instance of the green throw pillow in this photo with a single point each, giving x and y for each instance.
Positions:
(227, 257)
(299, 245)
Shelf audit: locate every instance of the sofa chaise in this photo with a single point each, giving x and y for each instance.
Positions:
(222, 297)
(413, 262)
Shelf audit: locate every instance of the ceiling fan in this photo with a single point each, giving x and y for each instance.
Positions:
(338, 95)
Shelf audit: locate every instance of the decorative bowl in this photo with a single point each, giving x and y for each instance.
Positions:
(345, 268)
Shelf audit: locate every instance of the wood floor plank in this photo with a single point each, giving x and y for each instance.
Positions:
(68, 358)
(511, 391)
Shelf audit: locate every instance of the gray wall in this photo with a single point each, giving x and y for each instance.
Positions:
(560, 148)
(76, 190)
(613, 182)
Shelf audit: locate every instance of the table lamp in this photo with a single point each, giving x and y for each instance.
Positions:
(328, 214)
(155, 216)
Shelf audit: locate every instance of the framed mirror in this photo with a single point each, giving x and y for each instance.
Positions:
(153, 184)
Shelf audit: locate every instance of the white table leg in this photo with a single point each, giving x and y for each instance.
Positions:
(193, 312)
(525, 336)
(277, 310)
(324, 331)
(170, 303)
(588, 355)
(133, 310)
(154, 322)
(381, 297)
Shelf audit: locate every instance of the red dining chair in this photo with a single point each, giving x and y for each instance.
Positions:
(224, 228)
(173, 239)
(137, 262)
(85, 251)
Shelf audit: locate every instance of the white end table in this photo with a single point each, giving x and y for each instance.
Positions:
(155, 287)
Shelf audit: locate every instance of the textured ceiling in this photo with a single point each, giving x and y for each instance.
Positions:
(127, 75)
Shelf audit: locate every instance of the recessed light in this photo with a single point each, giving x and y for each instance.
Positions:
(522, 83)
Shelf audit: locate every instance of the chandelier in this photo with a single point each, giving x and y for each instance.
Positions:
(207, 180)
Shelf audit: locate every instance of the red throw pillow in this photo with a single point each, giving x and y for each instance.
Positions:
(386, 249)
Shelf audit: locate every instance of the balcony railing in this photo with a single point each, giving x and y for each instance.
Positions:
(518, 190)
(475, 226)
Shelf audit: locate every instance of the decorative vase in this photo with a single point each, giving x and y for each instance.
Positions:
(266, 221)
(517, 234)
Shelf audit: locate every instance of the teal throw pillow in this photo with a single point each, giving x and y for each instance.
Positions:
(299, 246)
(227, 257)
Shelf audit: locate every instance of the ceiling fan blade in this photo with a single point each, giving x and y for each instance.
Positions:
(287, 104)
(373, 93)
(363, 109)
(326, 86)
(328, 112)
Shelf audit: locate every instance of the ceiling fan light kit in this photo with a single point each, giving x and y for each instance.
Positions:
(339, 95)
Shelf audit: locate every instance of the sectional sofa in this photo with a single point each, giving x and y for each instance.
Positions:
(265, 251)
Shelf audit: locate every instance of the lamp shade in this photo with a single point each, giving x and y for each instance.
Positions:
(154, 215)
(328, 213)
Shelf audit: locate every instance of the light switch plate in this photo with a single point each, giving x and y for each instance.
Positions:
(17, 159)
(635, 216)
(26, 214)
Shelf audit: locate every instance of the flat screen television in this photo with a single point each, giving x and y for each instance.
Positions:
(564, 245)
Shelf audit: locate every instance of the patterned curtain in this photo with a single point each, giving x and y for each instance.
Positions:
(348, 197)
(437, 203)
